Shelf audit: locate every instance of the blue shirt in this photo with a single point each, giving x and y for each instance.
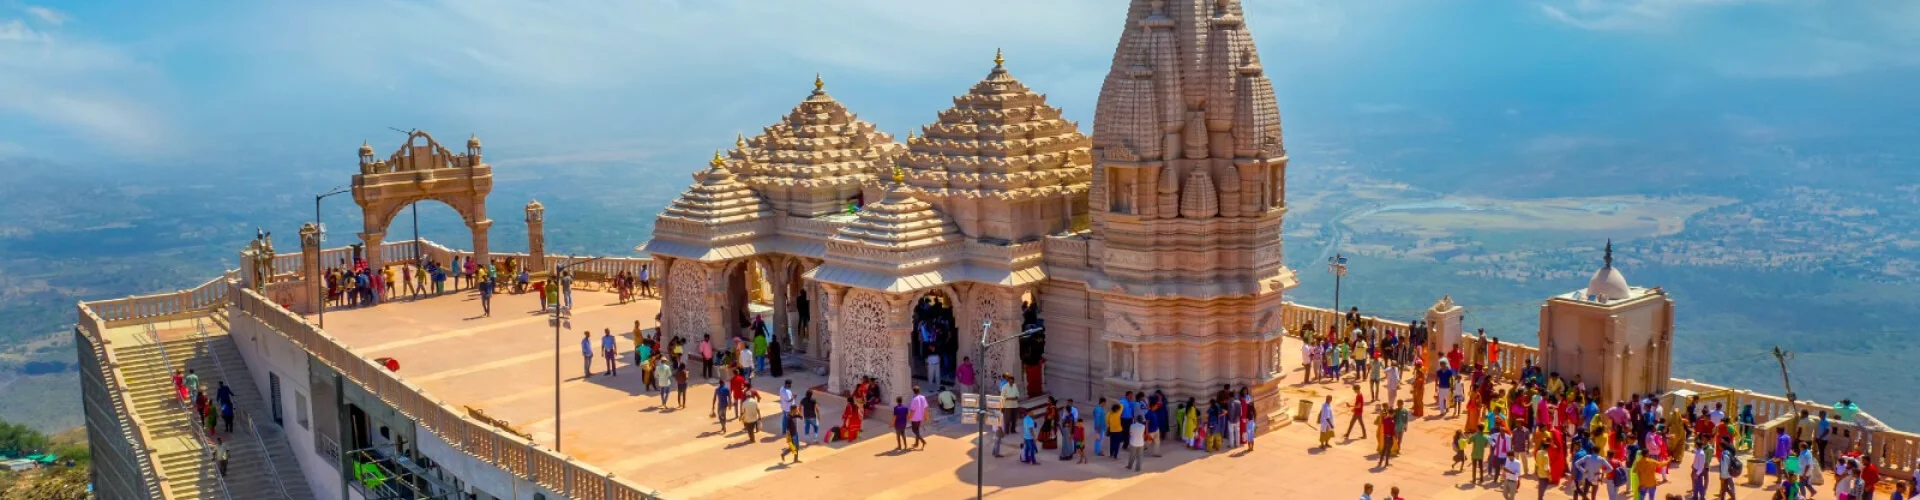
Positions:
(1099, 420)
(586, 346)
(1126, 410)
(606, 343)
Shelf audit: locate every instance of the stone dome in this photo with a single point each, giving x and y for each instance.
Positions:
(1608, 284)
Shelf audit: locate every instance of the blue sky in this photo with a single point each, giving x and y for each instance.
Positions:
(300, 84)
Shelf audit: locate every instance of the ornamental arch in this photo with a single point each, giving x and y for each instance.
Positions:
(420, 170)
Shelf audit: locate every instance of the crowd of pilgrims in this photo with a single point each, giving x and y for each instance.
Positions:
(1559, 431)
(356, 285)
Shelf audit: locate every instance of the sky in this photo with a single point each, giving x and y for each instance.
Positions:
(299, 85)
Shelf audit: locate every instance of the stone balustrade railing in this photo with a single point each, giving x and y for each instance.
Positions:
(147, 308)
(525, 459)
(396, 252)
(93, 327)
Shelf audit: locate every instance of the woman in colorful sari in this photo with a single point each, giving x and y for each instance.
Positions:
(850, 422)
(1419, 389)
(1556, 456)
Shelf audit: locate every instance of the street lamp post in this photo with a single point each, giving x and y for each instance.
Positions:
(556, 347)
(317, 290)
(1337, 265)
(980, 436)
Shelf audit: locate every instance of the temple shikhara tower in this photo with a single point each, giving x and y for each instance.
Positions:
(1145, 257)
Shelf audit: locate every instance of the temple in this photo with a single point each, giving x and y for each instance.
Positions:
(1151, 251)
(998, 240)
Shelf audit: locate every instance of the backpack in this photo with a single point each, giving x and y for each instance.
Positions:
(1737, 466)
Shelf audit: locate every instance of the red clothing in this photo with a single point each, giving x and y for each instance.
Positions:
(1871, 474)
(738, 385)
(1359, 405)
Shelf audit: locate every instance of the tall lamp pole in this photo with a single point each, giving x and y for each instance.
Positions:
(556, 347)
(1337, 265)
(980, 444)
(317, 291)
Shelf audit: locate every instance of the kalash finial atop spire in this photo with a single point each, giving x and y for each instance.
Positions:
(739, 140)
(718, 161)
(999, 58)
(819, 84)
(1608, 257)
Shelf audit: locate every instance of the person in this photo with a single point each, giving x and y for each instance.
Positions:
(1080, 440)
(790, 426)
(774, 367)
(949, 402)
(486, 299)
(786, 403)
(721, 398)
(965, 377)
(586, 352)
(900, 413)
(1116, 428)
(706, 356)
(1510, 479)
(746, 358)
(1326, 423)
(220, 454)
(849, 428)
(224, 395)
(607, 348)
(1099, 426)
(1869, 474)
(680, 384)
(738, 386)
(810, 416)
(192, 381)
(1029, 449)
(1479, 441)
(1459, 444)
(663, 369)
(179, 386)
(750, 415)
(1646, 472)
(1699, 475)
(566, 288)
(917, 416)
(1366, 491)
(933, 366)
(1136, 441)
(1729, 470)
(759, 346)
(1385, 458)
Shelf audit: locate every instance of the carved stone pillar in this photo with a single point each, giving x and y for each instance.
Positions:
(780, 276)
(310, 268)
(536, 235)
(373, 242)
(831, 336)
(480, 239)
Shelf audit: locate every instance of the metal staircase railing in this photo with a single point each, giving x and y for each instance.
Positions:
(194, 422)
(200, 332)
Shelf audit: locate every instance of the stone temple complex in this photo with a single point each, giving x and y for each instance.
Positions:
(1143, 255)
(1151, 250)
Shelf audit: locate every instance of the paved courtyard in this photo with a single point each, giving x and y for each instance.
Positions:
(504, 365)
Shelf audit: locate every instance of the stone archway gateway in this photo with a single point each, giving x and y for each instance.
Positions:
(422, 170)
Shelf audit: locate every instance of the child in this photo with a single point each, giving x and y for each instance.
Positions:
(1080, 441)
(1459, 449)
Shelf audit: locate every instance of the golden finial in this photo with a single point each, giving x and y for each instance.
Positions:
(999, 58)
(819, 83)
(739, 140)
(717, 159)
(899, 175)
(909, 135)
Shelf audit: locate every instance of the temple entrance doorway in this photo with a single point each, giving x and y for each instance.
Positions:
(749, 301)
(1033, 347)
(935, 345)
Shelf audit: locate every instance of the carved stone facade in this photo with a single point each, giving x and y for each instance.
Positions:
(536, 234)
(1153, 248)
(422, 170)
(687, 300)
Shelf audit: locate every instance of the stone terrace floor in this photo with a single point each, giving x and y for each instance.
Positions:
(504, 365)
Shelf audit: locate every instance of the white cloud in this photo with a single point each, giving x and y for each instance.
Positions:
(47, 15)
(81, 89)
(1610, 15)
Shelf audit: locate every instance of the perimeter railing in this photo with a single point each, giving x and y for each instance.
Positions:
(528, 460)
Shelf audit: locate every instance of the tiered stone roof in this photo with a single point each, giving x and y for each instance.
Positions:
(1186, 71)
(898, 244)
(717, 218)
(999, 141)
(816, 157)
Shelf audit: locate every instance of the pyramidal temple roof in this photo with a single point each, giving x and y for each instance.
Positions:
(716, 218)
(816, 156)
(898, 244)
(999, 140)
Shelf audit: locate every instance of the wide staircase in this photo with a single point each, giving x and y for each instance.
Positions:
(260, 462)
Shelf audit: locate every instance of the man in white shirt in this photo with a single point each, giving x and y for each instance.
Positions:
(1510, 479)
(786, 404)
(1393, 383)
(1700, 460)
(1136, 441)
